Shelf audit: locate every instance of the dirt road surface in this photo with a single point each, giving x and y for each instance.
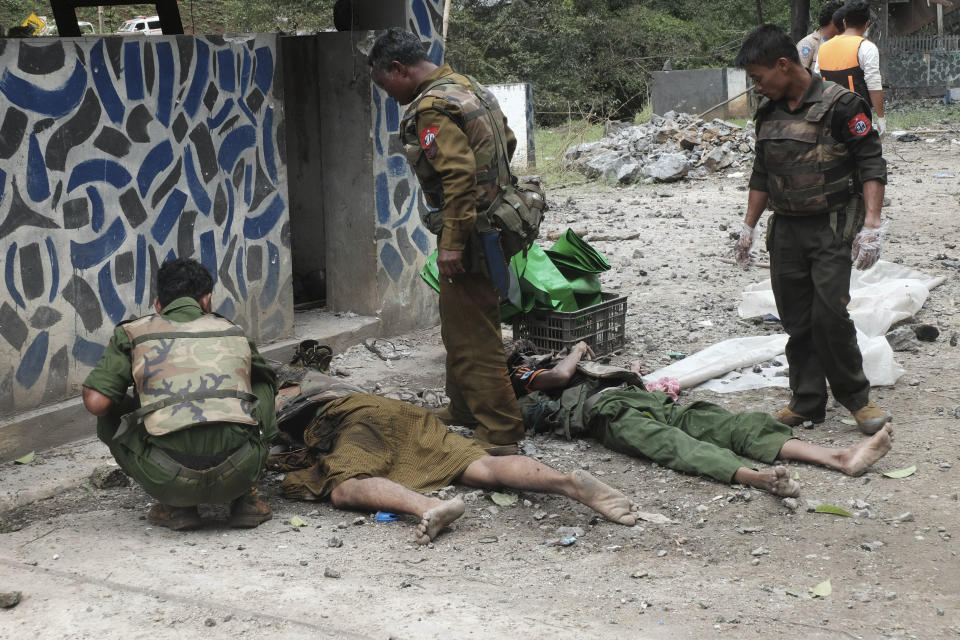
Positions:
(732, 563)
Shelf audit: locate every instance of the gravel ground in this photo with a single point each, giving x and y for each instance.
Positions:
(732, 562)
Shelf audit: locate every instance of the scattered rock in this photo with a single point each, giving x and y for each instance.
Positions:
(640, 573)
(210, 622)
(790, 503)
(334, 543)
(331, 573)
(9, 599)
(905, 517)
(759, 551)
(359, 521)
(109, 476)
(871, 546)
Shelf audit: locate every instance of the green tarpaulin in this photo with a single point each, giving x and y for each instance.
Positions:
(563, 278)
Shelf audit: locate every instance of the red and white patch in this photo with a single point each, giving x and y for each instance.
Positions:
(859, 125)
(428, 136)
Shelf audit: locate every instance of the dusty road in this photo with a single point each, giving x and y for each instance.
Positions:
(733, 563)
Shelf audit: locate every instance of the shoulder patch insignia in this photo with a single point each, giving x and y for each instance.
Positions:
(428, 136)
(428, 140)
(805, 51)
(859, 125)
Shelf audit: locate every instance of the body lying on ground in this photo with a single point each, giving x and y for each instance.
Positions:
(367, 452)
(199, 429)
(575, 397)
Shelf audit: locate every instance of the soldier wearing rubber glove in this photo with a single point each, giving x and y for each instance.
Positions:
(819, 167)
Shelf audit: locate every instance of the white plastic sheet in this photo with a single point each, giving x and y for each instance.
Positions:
(880, 297)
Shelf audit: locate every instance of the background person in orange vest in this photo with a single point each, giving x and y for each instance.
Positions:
(853, 62)
(810, 45)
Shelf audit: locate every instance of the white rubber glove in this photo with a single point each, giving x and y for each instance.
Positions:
(867, 245)
(742, 250)
(881, 126)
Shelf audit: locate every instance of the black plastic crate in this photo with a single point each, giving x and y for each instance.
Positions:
(601, 326)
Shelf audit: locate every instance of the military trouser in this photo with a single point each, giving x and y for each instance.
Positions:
(810, 274)
(171, 482)
(700, 438)
(478, 383)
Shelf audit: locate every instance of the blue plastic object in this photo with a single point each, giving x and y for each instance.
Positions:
(384, 516)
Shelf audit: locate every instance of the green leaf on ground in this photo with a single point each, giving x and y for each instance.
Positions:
(901, 473)
(829, 508)
(503, 499)
(822, 590)
(297, 521)
(27, 459)
(796, 475)
(849, 421)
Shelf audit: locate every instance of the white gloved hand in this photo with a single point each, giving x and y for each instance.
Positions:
(881, 126)
(867, 245)
(742, 249)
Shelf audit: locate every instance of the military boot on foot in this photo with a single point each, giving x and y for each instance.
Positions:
(249, 511)
(871, 418)
(176, 518)
(793, 419)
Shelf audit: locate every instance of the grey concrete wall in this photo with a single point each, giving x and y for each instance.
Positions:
(694, 91)
(346, 159)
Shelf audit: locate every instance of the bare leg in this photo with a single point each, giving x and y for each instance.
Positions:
(853, 460)
(383, 494)
(526, 474)
(777, 481)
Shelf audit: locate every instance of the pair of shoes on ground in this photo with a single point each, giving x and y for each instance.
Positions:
(870, 418)
(246, 512)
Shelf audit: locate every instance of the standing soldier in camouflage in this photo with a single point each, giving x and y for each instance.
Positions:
(819, 167)
(451, 145)
(199, 429)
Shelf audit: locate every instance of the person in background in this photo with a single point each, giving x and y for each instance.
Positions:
(810, 45)
(853, 62)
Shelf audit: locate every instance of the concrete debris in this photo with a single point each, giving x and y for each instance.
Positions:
(9, 599)
(108, 476)
(666, 149)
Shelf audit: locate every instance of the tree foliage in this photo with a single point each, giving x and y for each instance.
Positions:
(595, 56)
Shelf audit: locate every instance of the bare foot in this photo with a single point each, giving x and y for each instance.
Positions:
(603, 498)
(777, 481)
(857, 459)
(437, 518)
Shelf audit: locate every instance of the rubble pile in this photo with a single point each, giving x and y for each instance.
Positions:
(668, 148)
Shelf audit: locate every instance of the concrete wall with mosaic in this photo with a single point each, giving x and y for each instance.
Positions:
(115, 155)
(402, 242)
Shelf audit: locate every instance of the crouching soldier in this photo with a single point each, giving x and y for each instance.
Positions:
(198, 429)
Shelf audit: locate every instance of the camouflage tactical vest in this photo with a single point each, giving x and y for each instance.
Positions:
(473, 121)
(808, 171)
(189, 373)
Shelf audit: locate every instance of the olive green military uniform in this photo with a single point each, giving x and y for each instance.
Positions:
(449, 142)
(213, 462)
(812, 161)
(700, 438)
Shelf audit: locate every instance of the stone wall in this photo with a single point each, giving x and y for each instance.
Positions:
(115, 155)
(932, 72)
